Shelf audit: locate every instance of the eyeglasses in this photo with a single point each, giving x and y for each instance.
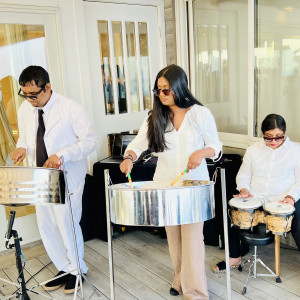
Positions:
(270, 139)
(166, 92)
(32, 97)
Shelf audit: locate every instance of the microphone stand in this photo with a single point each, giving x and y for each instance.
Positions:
(21, 293)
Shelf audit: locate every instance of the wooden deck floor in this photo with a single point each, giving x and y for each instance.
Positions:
(143, 270)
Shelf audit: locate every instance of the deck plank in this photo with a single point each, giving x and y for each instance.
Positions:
(143, 270)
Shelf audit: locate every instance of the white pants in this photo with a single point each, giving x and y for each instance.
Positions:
(56, 233)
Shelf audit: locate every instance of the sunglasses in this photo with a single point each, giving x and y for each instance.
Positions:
(270, 139)
(32, 97)
(166, 92)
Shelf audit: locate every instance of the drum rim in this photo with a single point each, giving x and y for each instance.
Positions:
(280, 215)
(248, 210)
(126, 187)
(244, 209)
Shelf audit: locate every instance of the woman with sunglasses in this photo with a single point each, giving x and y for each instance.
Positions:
(183, 133)
(270, 170)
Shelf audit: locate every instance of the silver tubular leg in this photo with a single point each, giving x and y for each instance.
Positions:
(78, 269)
(109, 237)
(255, 261)
(225, 224)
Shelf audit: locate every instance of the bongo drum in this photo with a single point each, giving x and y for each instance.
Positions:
(246, 212)
(279, 217)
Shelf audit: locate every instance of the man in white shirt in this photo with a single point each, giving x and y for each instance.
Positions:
(52, 126)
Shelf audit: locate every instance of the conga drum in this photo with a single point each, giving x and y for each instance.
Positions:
(246, 212)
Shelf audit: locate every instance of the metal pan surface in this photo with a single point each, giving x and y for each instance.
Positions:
(145, 206)
(29, 186)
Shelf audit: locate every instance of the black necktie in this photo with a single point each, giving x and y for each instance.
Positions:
(41, 152)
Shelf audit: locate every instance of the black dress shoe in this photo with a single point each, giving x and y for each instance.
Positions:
(70, 286)
(58, 282)
(174, 292)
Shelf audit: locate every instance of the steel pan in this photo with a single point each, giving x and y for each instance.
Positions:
(161, 207)
(29, 186)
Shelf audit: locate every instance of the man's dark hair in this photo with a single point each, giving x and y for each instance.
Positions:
(36, 74)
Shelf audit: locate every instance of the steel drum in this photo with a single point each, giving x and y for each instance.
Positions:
(161, 207)
(29, 186)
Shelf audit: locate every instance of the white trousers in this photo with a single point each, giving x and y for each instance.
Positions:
(56, 233)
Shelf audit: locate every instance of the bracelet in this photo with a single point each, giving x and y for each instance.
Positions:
(290, 197)
(128, 158)
(128, 154)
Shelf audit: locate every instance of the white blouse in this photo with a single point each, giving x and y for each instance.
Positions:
(271, 173)
(197, 131)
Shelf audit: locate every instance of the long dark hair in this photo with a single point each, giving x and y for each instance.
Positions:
(159, 117)
(273, 121)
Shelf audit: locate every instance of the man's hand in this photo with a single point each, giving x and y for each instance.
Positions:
(52, 162)
(18, 155)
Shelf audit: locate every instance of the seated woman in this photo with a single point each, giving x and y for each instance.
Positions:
(270, 170)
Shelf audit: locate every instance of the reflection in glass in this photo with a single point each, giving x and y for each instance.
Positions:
(132, 66)
(220, 39)
(20, 46)
(105, 67)
(119, 59)
(144, 56)
(277, 63)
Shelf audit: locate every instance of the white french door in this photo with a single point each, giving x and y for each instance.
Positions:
(126, 51)
(27, 37)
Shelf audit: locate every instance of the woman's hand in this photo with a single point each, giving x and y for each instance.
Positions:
(195, 160)
(287, 200)
(126, 166)
(244, 193)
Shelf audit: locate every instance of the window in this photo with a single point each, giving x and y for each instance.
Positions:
(220, 39)
(277, 63)
(246, 64)
(124, 56)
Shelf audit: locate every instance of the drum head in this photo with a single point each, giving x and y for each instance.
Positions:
(279, 208)
(245, 203)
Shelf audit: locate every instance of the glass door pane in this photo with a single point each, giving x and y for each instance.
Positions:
(220, 39)
(105, 67)
(20, 46)
(277, 63)
(119, 61)
(145, 70)
(132, 65)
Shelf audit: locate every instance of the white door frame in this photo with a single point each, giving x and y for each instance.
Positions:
(106, 124)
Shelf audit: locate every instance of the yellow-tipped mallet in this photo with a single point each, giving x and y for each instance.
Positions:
(182, 173)
(129, 179)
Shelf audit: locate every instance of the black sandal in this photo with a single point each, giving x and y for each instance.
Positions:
(221, 267)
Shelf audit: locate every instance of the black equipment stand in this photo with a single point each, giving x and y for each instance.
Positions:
(21, 292)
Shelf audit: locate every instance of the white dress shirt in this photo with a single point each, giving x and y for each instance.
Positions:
(197, 131)
(69, 133)
(271, 173)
